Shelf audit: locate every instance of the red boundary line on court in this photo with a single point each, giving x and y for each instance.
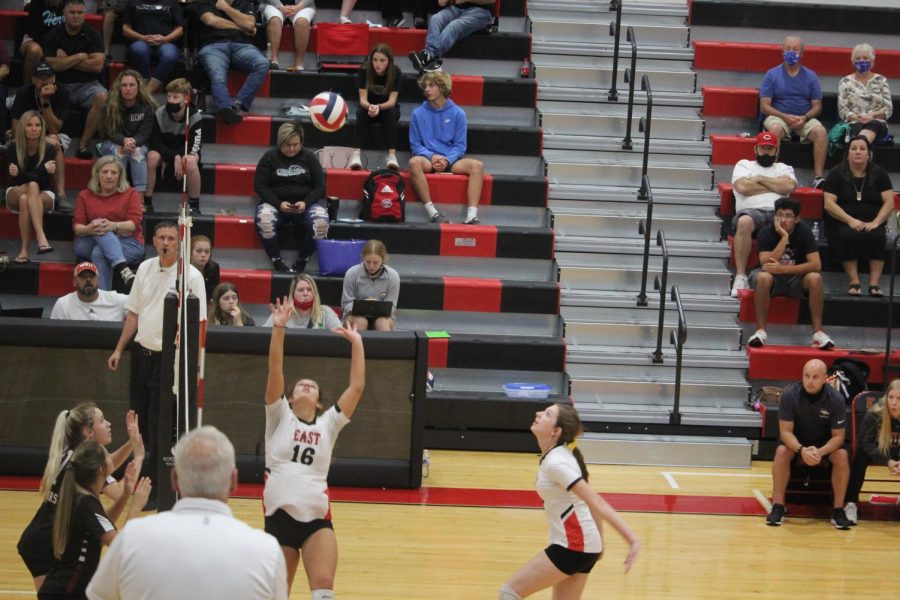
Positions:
(489, 498)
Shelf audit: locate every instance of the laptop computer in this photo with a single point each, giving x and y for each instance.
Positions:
(372, 309)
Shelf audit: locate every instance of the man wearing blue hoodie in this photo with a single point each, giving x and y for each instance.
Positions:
(437, 139)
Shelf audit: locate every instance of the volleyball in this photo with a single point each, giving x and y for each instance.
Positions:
(328, 112)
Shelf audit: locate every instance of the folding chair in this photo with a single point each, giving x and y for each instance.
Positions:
(341, 48)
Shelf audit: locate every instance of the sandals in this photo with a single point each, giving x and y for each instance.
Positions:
(45, 250)
(875, 291)
(854, 290)
(21, 260)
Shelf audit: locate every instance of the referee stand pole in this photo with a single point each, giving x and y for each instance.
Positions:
(174, 423)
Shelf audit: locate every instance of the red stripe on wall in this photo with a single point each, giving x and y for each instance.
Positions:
(236, 80)
(78, 173)
(234, 179)
(781, 309)
(254, 287)
(728, 149)
(469, 240)
(235, 232)
(810, 200)
(402, 41)
(437, 352)
(574, 533)
(730, 102)
(468, 90)
(55, 279)
(752, 260)
(784, 362)
(9, 224)
(474, 294)
(252, 131)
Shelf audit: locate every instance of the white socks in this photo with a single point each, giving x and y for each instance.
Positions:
(507, 594)
(429, 207)
(471, 213)
(322, 595)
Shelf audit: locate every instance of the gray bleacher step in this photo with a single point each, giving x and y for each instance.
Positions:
(562, 118)
(617, 245)
(608, 354)
(596, 73)
(868, 339)
(632, 208)
(582, 26)
(721, 302)
(603, 107)
(655, 385)
(665, 450)
(624, 169)
(704, 416)
(613, 143)
(628, 195)
(490, 381)
(411, 265)
(623, 273)
(638, 327)
(620, 223)
(563, 93)
(662, 8)
(606, 48)
(486, 323)
(587, 13)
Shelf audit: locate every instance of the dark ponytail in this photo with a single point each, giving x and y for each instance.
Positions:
(88, 461)
(568, 421)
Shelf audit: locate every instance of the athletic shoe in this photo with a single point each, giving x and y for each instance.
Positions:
(279, 265)
(420, 59)
(439, 217)
(274, 66)
(84, 153)
(758, 339)
(821, 341)
(127, 277)
(392, 162)
(852, 513)
(741, 282)
(299, 265)
(342, 20)
(839, 519)
(776, 517)
(230, 115)
(396, 22)
(818, 182)
(434, 65)
(63, 204)
(472, 221)
(355, 161)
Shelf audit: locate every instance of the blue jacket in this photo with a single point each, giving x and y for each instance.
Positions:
(438, 131)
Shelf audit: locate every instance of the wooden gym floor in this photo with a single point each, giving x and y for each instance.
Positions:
(477, 519)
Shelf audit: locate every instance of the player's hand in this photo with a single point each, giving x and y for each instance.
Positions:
(281, 312)
(142, 492)
(13, 169)
(113, 361)
(632, 555)
(348, 332)
(50, 167)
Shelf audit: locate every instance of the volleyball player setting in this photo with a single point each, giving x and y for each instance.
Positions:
(328, 112)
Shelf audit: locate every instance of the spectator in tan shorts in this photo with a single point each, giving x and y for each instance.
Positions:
(790, 99)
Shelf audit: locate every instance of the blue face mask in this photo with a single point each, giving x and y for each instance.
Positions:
(791, 57)
(862, 65)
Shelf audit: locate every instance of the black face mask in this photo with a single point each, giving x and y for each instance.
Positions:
(765, 160)
(173, 107)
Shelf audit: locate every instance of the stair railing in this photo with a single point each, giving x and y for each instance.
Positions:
(887, 369)
(659, 283)
(678, 339)
(615, 27)
(644, 126)
(630, 75)
(644, 228)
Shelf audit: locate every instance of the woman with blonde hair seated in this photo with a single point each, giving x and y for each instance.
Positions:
(307, 311)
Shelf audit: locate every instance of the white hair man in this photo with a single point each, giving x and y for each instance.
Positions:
(198, 549)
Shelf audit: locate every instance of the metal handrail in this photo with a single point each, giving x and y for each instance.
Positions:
(644, 227)
(678, 339)
(630, 74)
(660, 283)
(644, 125)
(615, 27)
(886, 367)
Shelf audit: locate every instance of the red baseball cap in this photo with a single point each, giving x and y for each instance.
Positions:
(85, 266)
(766, 138)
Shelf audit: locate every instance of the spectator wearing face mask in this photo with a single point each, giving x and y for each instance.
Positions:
(757, 185)
(864, 97)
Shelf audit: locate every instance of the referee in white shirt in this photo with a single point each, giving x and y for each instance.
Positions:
(155, 278)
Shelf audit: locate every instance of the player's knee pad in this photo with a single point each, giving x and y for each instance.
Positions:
(507, 594)
(267, 220)
(322, 595)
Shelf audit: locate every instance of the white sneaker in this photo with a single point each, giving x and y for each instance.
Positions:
(821, 341)
(392, 162)
(758, 339)
(344, 20)
(852, 513)
(355, 161)
(741, 282)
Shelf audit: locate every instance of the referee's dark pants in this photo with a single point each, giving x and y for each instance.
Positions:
(145, 390)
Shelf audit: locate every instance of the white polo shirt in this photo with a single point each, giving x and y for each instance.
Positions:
(196, 550)
(147, 298)
(109, 306)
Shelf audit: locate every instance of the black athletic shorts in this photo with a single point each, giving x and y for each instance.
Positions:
(36, 544)
(293, 533)
(571, 561)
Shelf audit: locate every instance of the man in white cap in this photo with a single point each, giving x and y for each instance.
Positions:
(757, 185)
(88, 302)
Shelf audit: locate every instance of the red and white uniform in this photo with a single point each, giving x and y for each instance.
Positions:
(298, 455)
(570, 520)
